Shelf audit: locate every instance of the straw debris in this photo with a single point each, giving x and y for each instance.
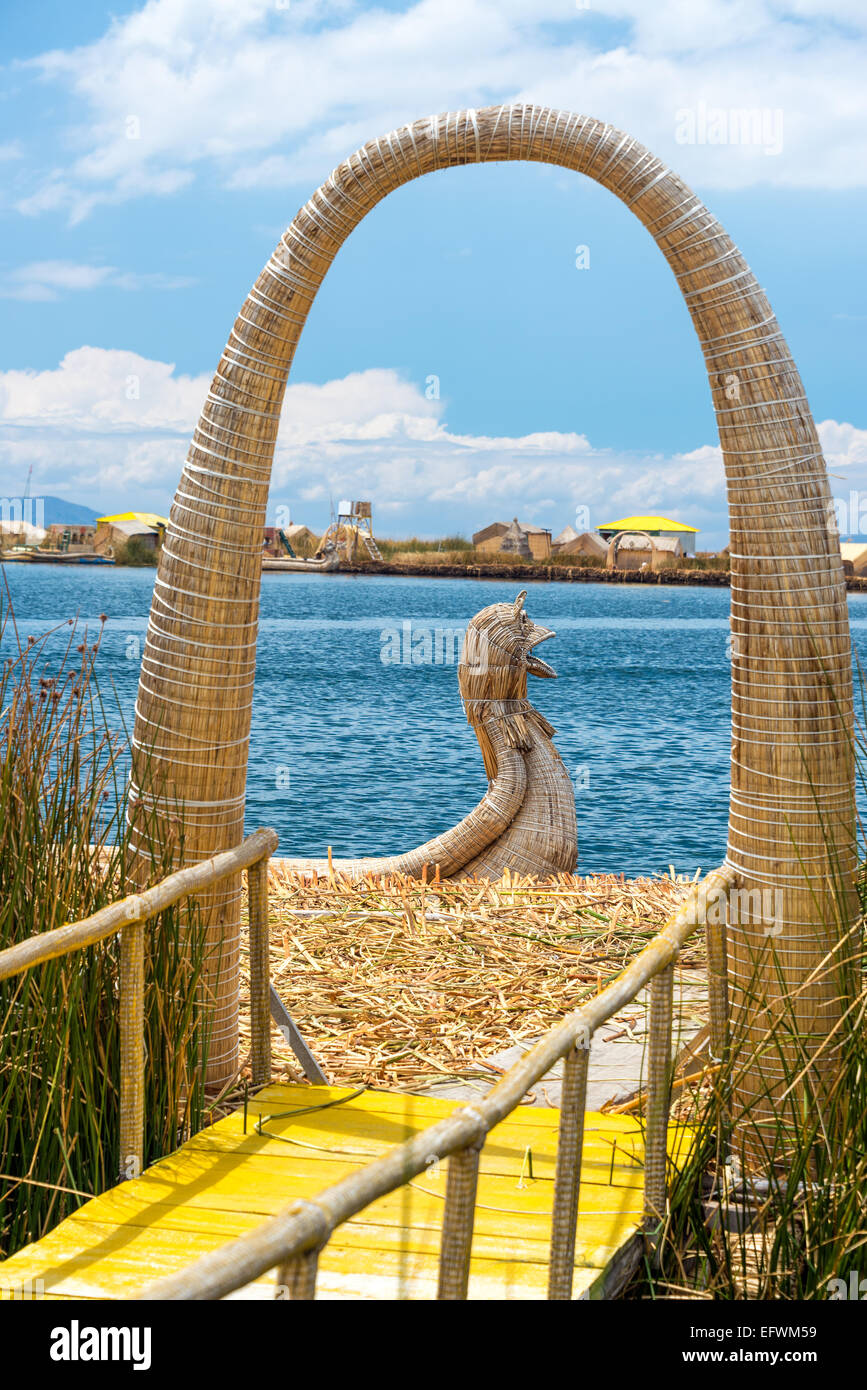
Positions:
(396, 983)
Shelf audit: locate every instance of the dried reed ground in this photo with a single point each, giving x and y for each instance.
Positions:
(397, 984)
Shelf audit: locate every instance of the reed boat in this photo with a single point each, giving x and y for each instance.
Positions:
(57, 557)
(323, 565)
(525, 822)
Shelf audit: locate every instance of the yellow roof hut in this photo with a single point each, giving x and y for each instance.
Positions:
(653, 526)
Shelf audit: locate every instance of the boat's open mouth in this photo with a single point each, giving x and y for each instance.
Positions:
(535, 665)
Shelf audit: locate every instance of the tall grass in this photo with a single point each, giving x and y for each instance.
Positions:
(777, 1208)
(743, 1224)
(413, 546)
(136, 553)
(64, 853)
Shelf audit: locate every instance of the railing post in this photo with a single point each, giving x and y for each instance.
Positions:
(260, 972)
(131, 1050)
(458, 1219)
(297, 1277)
(567, 1180)
(658, 1094)
(717, 984)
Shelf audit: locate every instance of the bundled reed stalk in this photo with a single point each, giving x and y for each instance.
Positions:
(64, 853)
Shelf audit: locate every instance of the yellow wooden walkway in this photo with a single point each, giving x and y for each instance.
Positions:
(223, 1182)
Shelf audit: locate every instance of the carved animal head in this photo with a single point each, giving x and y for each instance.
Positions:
(499, 650)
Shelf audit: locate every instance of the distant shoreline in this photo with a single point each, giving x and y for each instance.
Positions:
(545, 574)
(530, 574)
(566, 574)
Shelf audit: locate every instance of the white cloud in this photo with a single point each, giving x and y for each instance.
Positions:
(45, 280)
(845, 450)
(268, 95)
(111, 429)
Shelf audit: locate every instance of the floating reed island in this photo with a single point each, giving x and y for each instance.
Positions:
(400, 984)
(542, 573)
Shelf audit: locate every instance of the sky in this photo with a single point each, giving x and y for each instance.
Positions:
(465, 360)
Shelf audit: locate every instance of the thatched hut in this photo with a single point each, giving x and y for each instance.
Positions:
(516, 542)
(633, 550)
(489, 537)
(302, 540)
(114, 533)
(854, 555)
(586, 544)
(539, 540)
(521, 538)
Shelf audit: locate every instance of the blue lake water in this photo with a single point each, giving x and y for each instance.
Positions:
(373, 758)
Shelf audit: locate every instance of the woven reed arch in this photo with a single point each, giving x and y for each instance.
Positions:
(613, 544)
(792, 801)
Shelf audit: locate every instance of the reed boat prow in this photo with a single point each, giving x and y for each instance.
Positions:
(525, 822)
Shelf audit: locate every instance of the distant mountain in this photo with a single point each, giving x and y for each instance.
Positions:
(69, 513)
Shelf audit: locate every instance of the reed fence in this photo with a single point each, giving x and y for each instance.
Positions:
(129, 917)
(292, 1241)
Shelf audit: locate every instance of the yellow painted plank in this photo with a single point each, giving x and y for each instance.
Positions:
(345, 1135)
(224, 1182)
(85, 1245)
(224, 1187)
(391, 1103)
(399, 1116)
(363, 1234)
(386, 1287)
(108, 1264)
(231, 1183)
(422, 1210)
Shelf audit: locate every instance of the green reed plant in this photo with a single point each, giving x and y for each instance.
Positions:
(741, 1222)
(135, 553)
(412, 545)
(778, 1210)
(64, 853)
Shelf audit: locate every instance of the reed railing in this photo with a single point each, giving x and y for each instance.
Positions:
(291, 1241)
(129, 917)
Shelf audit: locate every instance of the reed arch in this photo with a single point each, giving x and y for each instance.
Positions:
(792, 800)
(614, 545)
